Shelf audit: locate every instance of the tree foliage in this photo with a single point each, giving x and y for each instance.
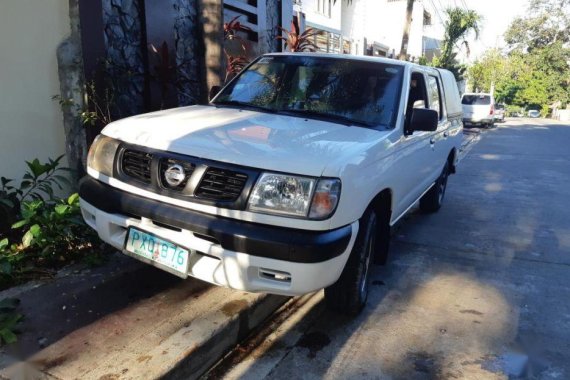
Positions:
(547, 22)
(459, 25)
(535, 72)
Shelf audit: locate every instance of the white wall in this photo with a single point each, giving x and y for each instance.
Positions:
(30, 122)
(353, 25)
(385, 24)
(314, 19)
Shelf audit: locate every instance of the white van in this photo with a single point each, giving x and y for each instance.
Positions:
(478, 109)
(287, 181)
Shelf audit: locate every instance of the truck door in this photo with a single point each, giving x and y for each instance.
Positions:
(441, 144)
(416, 152)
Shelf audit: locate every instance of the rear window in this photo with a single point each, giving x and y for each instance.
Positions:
(476, 100)
(499, 107)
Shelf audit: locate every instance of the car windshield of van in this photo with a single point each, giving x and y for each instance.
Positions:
(341, 90)
(476, 100)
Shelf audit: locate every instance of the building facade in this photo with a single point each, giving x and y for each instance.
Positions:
(368, 27)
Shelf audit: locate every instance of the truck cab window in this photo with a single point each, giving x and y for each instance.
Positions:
(418, 95)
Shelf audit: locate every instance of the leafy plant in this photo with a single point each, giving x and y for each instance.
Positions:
(299, 42)
(9, 319)
(101, 105)
(235, 48)
(232, 28)
(38, 183)
(54, 230)
(234, 64)
(458, 26)
(49, 235)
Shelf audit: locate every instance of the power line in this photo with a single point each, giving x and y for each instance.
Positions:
(437, 12)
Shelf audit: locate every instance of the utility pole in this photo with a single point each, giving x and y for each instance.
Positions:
(406, 35)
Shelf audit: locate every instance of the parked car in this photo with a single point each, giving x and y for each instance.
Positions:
(533, 113)
(499, 113)
(287, 181)
(478, 109)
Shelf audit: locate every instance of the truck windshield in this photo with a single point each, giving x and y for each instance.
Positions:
(476, 100)
(341, 90)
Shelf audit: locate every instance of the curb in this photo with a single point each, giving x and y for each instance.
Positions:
(177, 334)
(225, 338)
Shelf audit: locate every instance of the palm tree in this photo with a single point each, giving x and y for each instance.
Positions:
(459, 25)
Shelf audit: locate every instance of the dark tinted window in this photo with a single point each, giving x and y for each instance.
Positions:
(499, 107)
(476, 100)
(367, 93)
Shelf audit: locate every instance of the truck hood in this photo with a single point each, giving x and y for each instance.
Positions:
(255, 139)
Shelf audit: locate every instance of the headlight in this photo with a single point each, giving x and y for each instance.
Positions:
(294, 196)
(102, 154)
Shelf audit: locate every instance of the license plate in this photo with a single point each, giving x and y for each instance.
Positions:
(153, 248)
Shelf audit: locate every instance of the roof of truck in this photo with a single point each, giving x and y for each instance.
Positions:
(365, 58)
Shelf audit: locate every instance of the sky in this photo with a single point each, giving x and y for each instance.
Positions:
(497, 16)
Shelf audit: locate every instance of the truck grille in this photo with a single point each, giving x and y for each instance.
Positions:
(166, 162)
(220, 184)
(136, 164)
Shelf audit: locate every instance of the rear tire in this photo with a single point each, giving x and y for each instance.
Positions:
(432, 200)
(349, 294)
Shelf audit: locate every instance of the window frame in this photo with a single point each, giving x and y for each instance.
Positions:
(440, 94)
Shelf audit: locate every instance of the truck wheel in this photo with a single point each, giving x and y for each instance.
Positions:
(433, 199)
(349, 294)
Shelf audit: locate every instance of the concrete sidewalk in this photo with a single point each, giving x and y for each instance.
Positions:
(133, 322)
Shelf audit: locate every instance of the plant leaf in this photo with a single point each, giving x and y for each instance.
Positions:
(27, 239)
(61, 209)
(36, 230)
(8, 336)
(73, 199)
(20, 224)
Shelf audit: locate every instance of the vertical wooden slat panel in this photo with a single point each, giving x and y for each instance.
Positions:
(212, 35)
(159, 21)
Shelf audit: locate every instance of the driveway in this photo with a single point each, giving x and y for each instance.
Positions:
(480, 290)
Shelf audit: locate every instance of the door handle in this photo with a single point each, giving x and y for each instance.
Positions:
(445, 134)
(432, 141)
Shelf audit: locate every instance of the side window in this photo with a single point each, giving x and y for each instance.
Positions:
(418, 95)
(434, 95)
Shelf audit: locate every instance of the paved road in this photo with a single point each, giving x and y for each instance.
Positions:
(480, 290)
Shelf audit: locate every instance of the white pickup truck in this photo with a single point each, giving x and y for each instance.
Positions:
(287, 181)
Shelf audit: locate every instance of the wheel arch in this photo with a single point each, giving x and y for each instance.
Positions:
(382, 202)
(451, 159)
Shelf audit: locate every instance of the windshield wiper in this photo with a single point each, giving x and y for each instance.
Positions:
(244, 105)
(325, 116)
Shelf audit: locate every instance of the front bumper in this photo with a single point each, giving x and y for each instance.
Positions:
(226, 252)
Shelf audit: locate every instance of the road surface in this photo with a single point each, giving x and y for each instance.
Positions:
(480, 290)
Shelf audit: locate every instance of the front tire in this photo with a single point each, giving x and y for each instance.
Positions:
(349, 294)
(432, 200)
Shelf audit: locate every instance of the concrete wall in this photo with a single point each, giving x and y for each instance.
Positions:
(386, 25)
(318, 20)
(30, 121)
(382, 22)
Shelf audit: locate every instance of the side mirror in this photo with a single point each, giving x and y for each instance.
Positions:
(423, 119)
(214, 91)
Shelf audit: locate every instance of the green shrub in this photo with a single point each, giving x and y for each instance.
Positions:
(45, 231)
(38, 183)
